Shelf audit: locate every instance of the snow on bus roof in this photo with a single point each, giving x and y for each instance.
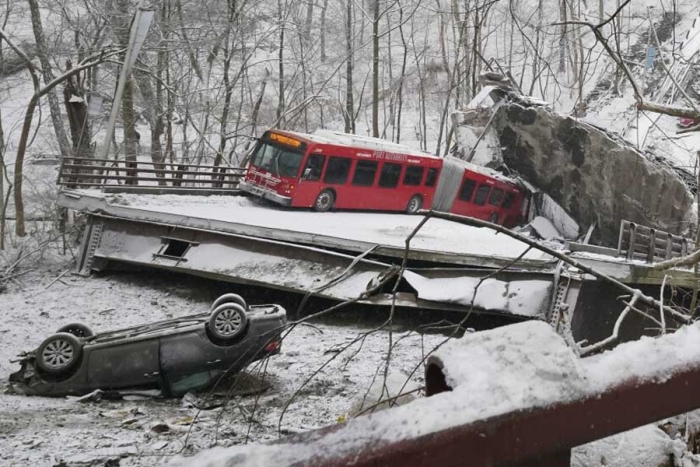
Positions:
(358, 141)
(480, 169)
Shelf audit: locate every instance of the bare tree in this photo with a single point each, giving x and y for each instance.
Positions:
(349, 70)
(39, 91)
(47, 73)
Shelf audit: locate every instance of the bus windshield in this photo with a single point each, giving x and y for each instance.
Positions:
(277, 161)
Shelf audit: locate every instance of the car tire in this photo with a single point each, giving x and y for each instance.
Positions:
(79, 330)
(59, 353)
(414, 204)
(227, 323)
(324, 201)
(493, 218)
(229, 298)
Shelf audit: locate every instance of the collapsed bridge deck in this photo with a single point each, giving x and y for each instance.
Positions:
(239, 240)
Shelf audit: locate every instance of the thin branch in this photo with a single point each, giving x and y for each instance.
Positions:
(616, 330)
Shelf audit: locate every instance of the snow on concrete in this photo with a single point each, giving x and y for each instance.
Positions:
(526, 297)
(373, 228)
(544, 228)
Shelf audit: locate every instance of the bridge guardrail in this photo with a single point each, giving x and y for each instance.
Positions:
(147, 176)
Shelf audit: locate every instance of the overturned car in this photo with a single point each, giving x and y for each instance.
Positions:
(174, 356)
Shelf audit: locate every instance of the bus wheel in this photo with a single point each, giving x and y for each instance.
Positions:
(414, 204)
(325, 201)
(493, 218)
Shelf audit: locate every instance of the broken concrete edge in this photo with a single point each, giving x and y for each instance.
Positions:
(637, 383)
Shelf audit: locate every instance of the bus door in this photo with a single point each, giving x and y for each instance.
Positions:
(310, 181)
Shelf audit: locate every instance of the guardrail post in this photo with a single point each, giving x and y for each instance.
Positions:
(632, 241)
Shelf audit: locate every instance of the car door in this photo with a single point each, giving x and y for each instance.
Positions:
(129, 363)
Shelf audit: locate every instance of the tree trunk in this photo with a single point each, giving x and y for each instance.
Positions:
(2, 178)
(349, 66)
(375, 70)
(20, 229)
(402, 77)
(2, 166)
(323, 31)
(75, 101)
(562, 38)
(43, 54)
(280, 59)
(309, 19)
(131, 137)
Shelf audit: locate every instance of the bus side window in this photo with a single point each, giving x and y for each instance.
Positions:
(365, 172)
(508, 201)
(481, 194)
(390, 175)
(337, 170)
(496, 197)
(413, 176)
(431, 178)
(465, 194)
(314, 167)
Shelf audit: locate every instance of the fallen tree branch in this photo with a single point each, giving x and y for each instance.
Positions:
(687, 260)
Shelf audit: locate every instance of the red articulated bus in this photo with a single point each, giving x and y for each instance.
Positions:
(327, 170)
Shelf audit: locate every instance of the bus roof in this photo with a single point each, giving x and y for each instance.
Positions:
(339, 138)
(481, 170)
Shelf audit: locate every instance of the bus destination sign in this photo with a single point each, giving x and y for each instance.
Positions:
(286, 140)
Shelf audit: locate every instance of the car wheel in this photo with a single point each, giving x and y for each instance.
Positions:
(493, 218)
(227, 322)
(414, 204)
(229, 298)
(59, 353)
(77, 329)
(324, 201)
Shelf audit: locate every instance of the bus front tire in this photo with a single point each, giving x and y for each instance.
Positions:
(414, 204)
(324, 201)
(493, 218)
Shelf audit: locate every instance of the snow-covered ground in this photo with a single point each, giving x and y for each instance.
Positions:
(43, 431)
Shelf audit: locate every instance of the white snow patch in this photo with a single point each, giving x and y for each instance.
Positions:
(524, 297)
(437, 235)
(544, 228)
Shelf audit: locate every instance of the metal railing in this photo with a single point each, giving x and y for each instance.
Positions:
(147, 176)
(649, 244)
